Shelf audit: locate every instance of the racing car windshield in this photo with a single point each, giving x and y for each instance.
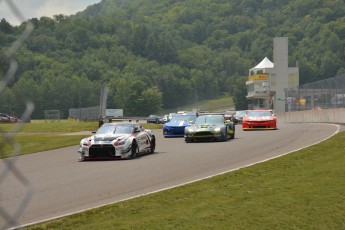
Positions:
(259, 114)
(106, 129)
(123, 129)
(240, 113)
(209, 120)
(186, 118)
(115, 129)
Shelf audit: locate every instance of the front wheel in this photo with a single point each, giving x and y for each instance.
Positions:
(188, 140)
(134, 150)
(81, 157)
(153, 145)
(233, 127)
(225, 135)
(81, 154)
(232, 136)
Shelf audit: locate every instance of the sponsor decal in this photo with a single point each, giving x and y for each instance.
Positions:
(258, 77)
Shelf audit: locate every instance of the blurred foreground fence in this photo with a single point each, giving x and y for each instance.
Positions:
(8, 168)
(85, 114)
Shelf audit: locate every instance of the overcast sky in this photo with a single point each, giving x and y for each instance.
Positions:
(38, 8)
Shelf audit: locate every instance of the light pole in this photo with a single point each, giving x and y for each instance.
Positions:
(79, 107)
(103, 99)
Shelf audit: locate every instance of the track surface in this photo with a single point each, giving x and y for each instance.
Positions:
(61, 185)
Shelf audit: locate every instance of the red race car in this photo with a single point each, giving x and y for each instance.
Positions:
(259, 119)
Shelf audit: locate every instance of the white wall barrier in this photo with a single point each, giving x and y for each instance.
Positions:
(336, 116)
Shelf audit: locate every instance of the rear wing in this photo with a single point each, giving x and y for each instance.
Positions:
(111, 119)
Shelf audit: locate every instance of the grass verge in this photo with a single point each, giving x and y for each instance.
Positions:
(39, 126)
(37, 143)
(302, 190)
(40, 136)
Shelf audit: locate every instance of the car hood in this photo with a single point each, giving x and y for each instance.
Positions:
(176, 123)
(206, 126)
(108, 137)
(259, 118)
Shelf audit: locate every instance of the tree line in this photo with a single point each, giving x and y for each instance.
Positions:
(161, 54)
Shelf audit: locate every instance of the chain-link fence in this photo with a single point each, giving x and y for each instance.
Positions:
(8, 218)
(84, 114)
(323, 94)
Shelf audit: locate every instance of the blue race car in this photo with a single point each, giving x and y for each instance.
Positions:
(175, 127)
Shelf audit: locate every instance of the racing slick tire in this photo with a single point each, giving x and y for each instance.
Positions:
(153, 145)
(81, 158)
(232, 136)
(224, 135)
(81, 155)
(134, 150)
(188, 140)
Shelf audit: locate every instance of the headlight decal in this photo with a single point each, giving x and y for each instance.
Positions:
(189, 130)
(120, 142)
(86, 142)
(217, 129)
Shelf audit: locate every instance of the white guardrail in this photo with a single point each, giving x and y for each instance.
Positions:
(336, 116)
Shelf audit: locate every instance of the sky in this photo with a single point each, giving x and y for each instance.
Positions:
(39, 8)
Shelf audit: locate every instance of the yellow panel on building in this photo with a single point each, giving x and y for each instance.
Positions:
(258, 77)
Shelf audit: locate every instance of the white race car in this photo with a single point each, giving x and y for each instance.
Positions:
(117, 141)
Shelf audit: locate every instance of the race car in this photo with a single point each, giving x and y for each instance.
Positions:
(175, 127)
(210, 127)
(153, 119)
(5, 118)
(259, 119)
(117, 141)
(237, 117)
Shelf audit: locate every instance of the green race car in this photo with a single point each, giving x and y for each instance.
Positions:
(210, 127)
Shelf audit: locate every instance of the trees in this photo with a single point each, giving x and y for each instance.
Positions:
(134, 96)
(240, 93)
(165, 54)
(5, 27)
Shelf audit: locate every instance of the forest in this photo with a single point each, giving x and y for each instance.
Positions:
(162, 54)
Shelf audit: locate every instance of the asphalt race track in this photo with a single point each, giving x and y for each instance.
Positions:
(61, 185)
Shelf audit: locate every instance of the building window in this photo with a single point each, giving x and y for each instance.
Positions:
(273, 80)
(293, 80)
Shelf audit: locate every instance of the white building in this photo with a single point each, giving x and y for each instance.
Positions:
(267, 80)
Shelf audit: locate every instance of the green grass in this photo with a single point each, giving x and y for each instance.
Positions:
(36, 143)
(302, 190)
(31, 136)
(38, 126)
(219, 104)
